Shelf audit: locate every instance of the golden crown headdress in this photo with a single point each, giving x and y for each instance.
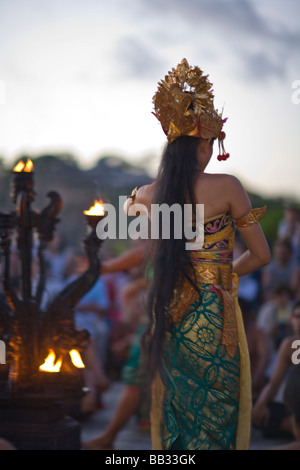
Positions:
(183, 103)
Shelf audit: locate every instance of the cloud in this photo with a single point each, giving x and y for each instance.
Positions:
(136, 58)
(260, 66)
(257, 44)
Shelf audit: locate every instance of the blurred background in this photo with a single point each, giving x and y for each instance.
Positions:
(77, 80)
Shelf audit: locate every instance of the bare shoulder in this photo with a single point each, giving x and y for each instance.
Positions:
(238, 198)
(231, 192)
(224, 180)
(230, 181)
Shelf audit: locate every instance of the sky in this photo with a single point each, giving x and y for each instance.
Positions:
(79, 77)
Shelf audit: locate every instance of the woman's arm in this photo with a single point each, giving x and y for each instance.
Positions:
(257, 254)
(135, 256)
(127, 260)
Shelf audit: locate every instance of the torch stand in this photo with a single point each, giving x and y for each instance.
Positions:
(34, 404)
(31, 424)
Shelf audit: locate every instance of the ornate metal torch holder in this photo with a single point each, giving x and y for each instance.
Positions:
(33, 401)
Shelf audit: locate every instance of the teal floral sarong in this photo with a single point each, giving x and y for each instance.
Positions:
(201, 381)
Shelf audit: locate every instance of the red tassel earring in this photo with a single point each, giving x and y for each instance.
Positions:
(222, 152)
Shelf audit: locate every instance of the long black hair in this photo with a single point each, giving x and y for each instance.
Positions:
(175, 184)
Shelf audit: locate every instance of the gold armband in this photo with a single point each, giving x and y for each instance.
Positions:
(132, 195)
(252, 217)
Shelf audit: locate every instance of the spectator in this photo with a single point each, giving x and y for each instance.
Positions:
(269, 412)
(249, 285)
(134, 397)
(295, 283)
(289, 228)
(274, 315)
(280, 270)
(57, 257)
(259, 349)
(90, 315)
(292, 402)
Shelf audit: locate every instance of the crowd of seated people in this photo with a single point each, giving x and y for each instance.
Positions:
(269, 301)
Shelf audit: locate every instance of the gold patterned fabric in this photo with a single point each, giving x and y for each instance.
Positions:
(201, 398)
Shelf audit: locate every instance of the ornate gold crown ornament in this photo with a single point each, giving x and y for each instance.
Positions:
(183, 103)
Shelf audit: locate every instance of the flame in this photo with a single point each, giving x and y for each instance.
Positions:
(29, 166)
(96, 209)
(76, 359)
(21, 166)
(49, 364)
